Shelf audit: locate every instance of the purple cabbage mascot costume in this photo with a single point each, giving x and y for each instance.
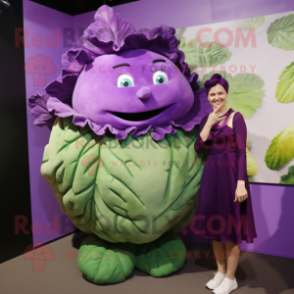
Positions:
(124, 115)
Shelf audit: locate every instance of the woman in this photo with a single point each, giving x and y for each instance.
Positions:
(224, 212)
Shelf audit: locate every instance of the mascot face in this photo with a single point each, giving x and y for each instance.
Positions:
(133, 88)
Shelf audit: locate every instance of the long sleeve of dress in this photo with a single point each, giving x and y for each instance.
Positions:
(200, 145)
(240, 130)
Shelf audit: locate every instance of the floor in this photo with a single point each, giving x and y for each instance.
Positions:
(256, 274)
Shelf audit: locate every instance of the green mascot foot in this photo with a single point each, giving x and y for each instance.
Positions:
(102, 262)
(161, 257)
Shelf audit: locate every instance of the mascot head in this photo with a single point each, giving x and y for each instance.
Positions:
(120, 80)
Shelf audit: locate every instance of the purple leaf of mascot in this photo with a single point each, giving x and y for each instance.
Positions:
(124, 115)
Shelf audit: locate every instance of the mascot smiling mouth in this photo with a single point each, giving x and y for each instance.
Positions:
(139, 116)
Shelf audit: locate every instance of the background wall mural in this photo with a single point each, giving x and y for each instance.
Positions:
(255, 56)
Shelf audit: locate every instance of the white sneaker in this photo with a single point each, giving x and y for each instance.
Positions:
(226, 286)
(217, 279)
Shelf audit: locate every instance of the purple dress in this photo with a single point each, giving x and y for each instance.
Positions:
(218, 217)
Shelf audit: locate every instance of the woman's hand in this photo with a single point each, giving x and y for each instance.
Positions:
(213, 117)
(241, 194)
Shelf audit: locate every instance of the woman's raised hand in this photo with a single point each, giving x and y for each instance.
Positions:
(213, 117)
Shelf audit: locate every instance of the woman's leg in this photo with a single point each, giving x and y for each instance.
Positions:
(232, 255)
(219, 249)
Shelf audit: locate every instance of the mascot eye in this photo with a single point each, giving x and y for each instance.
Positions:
(159, 77)
(125, 81)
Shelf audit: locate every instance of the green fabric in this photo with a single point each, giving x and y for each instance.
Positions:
(129, 191)
(102, 262)
(161, 257)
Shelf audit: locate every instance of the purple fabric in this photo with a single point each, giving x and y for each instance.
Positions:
(38, 103)
(214, 80)
(224, 166)
(84, 87)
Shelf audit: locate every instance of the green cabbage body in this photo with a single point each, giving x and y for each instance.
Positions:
(133, 190)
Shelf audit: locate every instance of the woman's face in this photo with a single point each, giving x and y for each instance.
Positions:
(217, 95)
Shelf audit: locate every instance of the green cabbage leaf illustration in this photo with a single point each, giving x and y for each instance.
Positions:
(245, 91)
(280, 33)
(289, 177)
(207, 54)
(281, 150)
(249, 23)
(252, 167)
(285, 87)
(179, 32)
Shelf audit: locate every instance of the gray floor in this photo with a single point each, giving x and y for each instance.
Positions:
(256, 274)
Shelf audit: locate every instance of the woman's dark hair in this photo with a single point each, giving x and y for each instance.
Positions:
(214, 80)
